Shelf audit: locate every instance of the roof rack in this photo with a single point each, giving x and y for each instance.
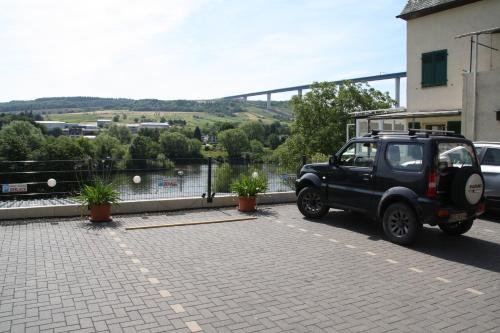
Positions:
(414, 132)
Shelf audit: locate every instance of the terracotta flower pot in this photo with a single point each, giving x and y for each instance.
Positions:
(247, 204)
(100, 213)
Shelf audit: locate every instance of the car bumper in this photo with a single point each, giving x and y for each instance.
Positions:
(432, 212)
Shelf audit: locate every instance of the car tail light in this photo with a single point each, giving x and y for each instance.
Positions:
(480, 208)
(432, 184)
(443, 213)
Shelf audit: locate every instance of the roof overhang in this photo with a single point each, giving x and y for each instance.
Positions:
(412, 14)
(418, 114)
(368, 113)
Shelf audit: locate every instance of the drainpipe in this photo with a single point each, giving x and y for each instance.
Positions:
(474, 88)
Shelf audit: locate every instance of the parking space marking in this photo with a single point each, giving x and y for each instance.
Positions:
(488, 230)
(136, 261)
(318, 235)
(123, 245)
(333, 240)
(153, 280)
(177, 308)
(391, 261)
(416, 270)
(290, 225)
(443, 279)
(144, 270)
(165, 293)
(474, 291)
(193, 326)
(370, 253)
(304, 230)
(129, 253)
(350, 246)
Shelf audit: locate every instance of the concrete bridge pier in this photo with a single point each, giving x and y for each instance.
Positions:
(269, 101)
(397, 89)
(299, 93)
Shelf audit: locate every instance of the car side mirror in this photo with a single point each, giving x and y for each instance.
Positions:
(333, 160)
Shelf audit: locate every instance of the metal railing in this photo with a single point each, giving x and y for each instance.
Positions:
(26, 183)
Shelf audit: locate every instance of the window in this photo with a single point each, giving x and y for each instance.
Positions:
(434, 67)
(455, 155)
(359, 154)
(492, 157)
(404, 156)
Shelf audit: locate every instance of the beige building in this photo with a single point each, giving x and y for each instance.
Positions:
(447, 89)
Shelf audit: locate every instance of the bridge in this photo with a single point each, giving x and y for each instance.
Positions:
(396, 76)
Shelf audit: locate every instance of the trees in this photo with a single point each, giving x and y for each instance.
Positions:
(254, 130)
(18, 139)
(321, 115)
(197, 133)
(174, 145)
(60, 148)
(122, 133)
(107, 147)
(234, 141)
(143, 147)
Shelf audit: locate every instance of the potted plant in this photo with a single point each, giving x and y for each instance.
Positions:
(247, 189)
(98, 198)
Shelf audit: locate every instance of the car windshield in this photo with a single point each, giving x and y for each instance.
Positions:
(456, 155)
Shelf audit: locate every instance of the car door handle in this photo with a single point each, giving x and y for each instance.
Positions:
(366, 176)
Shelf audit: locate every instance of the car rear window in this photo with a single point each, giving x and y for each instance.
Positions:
(492, 157)
(404, 156)
(456, 155)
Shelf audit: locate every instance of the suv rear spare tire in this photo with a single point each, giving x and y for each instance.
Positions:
(467, 188)
(400, 223)
(310, 203)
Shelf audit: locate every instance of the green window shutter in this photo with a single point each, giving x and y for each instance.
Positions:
(455, 126)
(434, 68)
(415, 125)
(440, 68)
(427, 70)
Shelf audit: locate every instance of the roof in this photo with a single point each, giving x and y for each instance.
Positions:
(418, 8)
(49, 122)
(418, 114)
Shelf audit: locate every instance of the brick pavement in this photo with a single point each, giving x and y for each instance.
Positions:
(274, 274)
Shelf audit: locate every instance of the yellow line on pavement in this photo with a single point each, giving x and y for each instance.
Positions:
(190, 223)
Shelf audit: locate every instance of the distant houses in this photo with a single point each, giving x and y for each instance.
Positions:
(90, 130)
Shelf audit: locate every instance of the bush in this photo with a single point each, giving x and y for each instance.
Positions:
(224, 176)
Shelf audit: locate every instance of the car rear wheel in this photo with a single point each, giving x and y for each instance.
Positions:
(310, 204)
(457, 228)
(400, 224)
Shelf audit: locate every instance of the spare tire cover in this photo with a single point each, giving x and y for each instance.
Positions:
(467, 188)
(474, 188)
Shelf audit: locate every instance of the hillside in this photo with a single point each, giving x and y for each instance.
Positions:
(75, 104)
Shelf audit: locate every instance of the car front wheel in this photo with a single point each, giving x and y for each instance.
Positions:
(400, 224)
(457, 228)
(310, 204)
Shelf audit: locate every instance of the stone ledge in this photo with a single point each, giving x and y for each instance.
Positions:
(140, 206)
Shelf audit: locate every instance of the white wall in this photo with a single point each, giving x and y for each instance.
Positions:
(437, 32)
(487, 128)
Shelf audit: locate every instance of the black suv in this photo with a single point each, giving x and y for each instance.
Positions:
(403, 179)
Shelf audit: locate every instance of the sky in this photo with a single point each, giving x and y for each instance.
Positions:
(193, 49)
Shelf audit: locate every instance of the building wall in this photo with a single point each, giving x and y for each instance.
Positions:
(437, 32)
(487, 128)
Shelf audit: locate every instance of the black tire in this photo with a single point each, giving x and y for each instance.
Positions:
(458, 228)
(400, 224)
(310, 204)
(459, 187)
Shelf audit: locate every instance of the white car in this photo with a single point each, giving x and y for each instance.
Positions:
(489, 158)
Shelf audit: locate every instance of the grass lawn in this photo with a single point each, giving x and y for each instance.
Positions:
(192, 119)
